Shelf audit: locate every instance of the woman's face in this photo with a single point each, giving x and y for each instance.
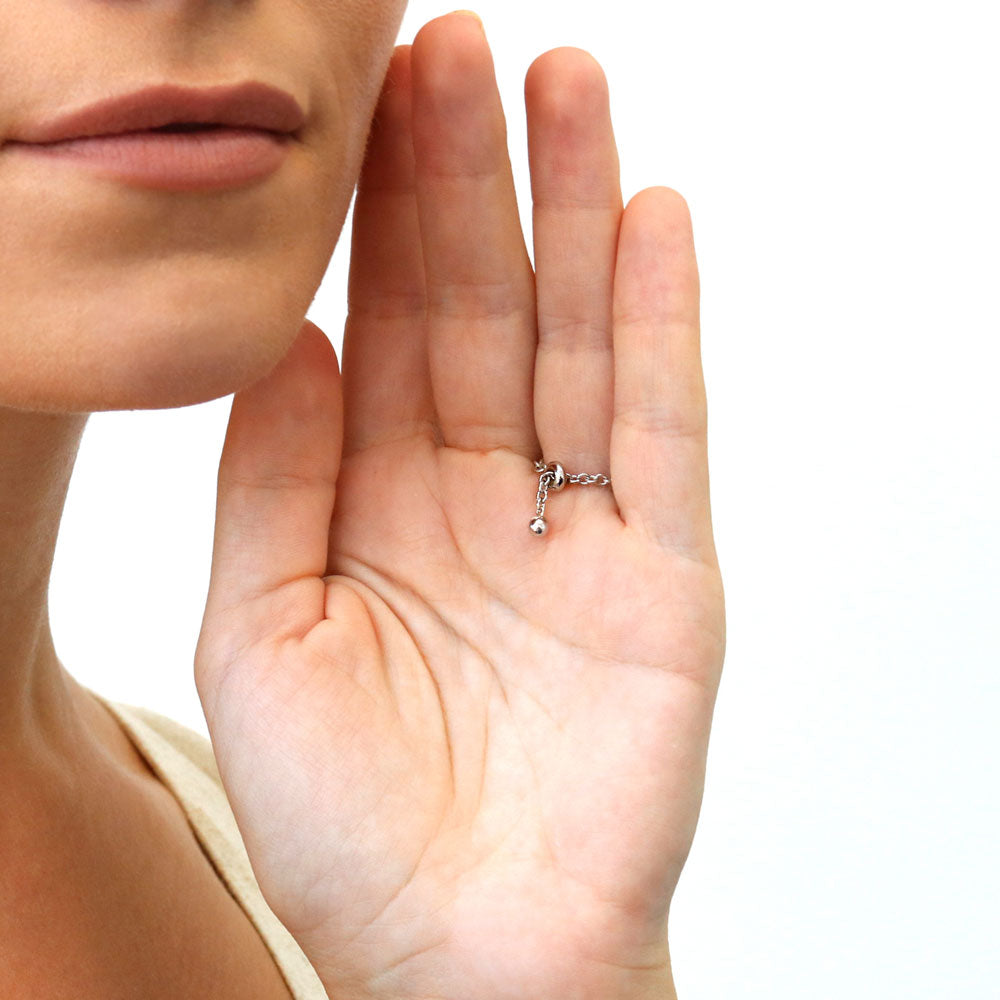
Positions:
(125, 286)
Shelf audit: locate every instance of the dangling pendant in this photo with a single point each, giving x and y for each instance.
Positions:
(552, 476)
(547, 475)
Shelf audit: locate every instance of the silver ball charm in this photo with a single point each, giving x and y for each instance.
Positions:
(538, 526)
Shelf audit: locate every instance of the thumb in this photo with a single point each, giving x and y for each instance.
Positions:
(276, 487)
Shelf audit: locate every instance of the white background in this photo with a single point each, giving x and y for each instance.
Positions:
(841, 167)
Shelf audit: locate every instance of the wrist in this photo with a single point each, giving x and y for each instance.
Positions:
(499, 946)
(654, 989)
(478, 978)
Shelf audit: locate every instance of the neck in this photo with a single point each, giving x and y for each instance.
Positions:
(38, 700)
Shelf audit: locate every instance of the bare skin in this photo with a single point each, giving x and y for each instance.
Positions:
(466, 761)
(106, 892)
(113, 297)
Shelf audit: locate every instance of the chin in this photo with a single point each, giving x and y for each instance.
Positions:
(128, 352)
(134, 302)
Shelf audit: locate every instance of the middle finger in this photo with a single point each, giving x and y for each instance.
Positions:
(480, 284)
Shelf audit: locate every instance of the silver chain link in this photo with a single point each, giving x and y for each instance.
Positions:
(551, 476)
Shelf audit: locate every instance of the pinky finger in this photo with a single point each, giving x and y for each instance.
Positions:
(659, 452)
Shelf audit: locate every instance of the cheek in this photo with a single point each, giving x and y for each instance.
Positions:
(359, 35)
(117, 298)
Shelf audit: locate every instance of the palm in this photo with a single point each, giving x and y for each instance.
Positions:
(446, 739)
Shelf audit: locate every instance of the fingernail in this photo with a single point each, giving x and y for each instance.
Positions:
(470, 13)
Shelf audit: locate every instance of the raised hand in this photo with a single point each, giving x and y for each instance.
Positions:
(467, 761)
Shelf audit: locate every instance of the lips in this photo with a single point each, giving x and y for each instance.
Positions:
(252, 105)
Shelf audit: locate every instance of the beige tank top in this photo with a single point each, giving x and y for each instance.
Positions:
(183, 760)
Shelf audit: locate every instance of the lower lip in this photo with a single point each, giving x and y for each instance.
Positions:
(174, 161)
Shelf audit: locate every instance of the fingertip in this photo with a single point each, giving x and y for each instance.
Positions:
(309, 365)
(319, 358)
(571, 142)
(468, 14)
(389, 149)
(662, 206)
(458, 33)
(317, 342)
(394, 98)
(398, 73)
(656, 231)
(565, 76)
(456, 103)
(451, 60)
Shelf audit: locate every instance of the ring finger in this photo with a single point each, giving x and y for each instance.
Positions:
(577, 212)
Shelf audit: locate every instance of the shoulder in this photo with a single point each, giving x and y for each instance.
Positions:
(185, 763)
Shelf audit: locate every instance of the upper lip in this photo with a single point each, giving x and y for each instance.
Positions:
(250, 105)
